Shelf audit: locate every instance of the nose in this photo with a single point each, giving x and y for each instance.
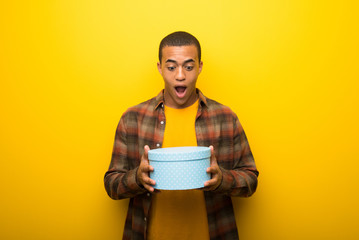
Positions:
(180, 75)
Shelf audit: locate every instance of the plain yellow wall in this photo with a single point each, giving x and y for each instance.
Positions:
(69, 69)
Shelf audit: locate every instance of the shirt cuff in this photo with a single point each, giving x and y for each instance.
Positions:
(227, 182)
(132, 183)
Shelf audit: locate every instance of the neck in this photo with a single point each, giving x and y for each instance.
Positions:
(173, 104)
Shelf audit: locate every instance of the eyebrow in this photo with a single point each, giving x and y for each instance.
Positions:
(173, 61)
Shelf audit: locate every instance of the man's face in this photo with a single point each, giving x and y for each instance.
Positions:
(180, 68)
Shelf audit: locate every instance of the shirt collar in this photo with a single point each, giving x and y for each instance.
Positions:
(159, 100)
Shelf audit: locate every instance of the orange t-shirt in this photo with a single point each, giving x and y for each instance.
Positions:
(179, 214)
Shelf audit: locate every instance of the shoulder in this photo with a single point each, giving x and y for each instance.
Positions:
(223, 114)
(142, 109)
(216, 108)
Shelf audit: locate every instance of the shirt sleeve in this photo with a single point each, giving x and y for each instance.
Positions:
(241, 180)
(120, 179)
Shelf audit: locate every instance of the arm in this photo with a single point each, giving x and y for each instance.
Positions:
(241, 180)
(121, 177)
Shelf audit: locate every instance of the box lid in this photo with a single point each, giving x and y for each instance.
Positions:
(179, 153)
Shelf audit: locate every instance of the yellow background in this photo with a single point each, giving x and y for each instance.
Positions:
(69, 69)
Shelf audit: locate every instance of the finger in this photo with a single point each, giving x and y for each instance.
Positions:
(211, 182)
(149, 188)
(148, 184)
(148, 181)
(146, 168)
(212, 169)
(208, 186)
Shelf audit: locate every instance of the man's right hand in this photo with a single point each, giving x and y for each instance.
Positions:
(143, 178)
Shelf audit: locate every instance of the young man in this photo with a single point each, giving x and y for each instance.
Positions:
(180, 115)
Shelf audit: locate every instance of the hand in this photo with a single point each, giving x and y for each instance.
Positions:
(143, 172)
(216, 173)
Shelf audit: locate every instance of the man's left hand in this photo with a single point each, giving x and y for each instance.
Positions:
(215, 172)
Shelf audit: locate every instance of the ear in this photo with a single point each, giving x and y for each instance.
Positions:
(159, 67)
(200, 67)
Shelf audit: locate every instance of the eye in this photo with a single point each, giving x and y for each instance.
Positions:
(188, 68)
(171, 68)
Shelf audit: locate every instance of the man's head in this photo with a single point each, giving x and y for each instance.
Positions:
(178, 39)
(180, 66)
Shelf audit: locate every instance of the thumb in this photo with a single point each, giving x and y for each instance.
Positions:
(145, 153)
(213, 157)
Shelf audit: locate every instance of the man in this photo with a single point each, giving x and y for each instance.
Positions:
(180, 115)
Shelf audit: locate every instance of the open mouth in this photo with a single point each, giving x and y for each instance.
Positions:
(181, 91)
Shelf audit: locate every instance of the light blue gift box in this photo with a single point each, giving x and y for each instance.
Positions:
(180, 168)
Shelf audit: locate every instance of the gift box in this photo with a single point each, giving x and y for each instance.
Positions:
(180, 168)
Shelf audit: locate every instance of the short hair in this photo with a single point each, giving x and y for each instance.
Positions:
(179, 38)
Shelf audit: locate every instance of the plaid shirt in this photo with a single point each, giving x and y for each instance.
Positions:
(215, 125)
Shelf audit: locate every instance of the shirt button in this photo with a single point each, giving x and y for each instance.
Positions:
(158, 145)
(148, 194)
(162, 122)
(145, 219)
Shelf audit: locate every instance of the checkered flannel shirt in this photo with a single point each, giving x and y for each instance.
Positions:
(215, 125)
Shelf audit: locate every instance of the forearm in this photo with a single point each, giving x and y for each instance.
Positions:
(122, 184)
(238, 182)
(120, 179)
(240, 177)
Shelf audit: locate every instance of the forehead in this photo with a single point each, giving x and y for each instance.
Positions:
(179, 53)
